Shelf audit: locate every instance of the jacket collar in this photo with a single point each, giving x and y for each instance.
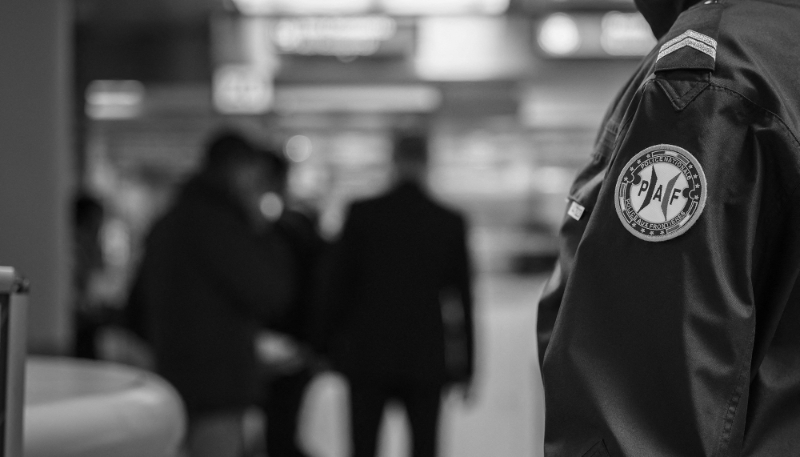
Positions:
(661, 14)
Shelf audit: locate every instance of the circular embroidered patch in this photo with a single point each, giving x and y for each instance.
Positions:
(660, 193)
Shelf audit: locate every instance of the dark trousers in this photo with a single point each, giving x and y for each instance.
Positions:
(367, 402)
(284, 398)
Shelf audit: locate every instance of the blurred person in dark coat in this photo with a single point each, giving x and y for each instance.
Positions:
(290, 366)
(205, 284)
(401, 259)
(88, 216)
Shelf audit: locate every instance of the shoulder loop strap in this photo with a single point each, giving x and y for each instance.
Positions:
(692, 41)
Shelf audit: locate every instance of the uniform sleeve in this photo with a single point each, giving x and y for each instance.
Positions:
(580, 204)
(682, 253)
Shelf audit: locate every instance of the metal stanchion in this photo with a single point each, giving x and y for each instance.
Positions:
(13, 321)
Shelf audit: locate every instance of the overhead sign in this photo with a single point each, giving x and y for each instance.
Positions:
(408, 98)
(242, 89)
(344, 37)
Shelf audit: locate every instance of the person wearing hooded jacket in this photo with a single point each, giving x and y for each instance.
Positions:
(671, 323)
(206, 282)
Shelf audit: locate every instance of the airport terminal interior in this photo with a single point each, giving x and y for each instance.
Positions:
(116, 99)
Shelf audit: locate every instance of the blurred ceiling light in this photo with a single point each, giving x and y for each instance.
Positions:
(559, 35)
(257, 7)
(242, 89)
(298, 148)
(399, 7)
(362, 98)
(114, 99)
(626, 34)
(333, 36)
(443, 7)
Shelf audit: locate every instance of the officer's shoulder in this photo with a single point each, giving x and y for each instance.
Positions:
(750, 49)
(691, 44)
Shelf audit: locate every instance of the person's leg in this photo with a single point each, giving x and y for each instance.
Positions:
(218, 434)
(423, 406)
(367, 401)
(282, 410)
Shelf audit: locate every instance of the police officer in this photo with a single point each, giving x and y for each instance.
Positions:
(671, 324)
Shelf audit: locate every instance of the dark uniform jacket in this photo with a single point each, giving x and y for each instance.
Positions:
(399, 257)
(671, 325)
(206, 283)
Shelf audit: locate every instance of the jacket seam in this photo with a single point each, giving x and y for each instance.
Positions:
(627, 119)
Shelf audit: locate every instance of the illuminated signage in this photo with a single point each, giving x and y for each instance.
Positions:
(338, 36)
(114, 99)
(242, 89)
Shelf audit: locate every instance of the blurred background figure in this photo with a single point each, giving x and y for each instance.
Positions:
(284, 347)
(400, 256)
(205, 285)
(117, 98)
(88, 215)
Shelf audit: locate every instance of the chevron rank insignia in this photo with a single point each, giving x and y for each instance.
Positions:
(692, 39)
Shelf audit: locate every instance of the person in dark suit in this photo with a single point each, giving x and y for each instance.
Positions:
(400, 260)
(288, 376)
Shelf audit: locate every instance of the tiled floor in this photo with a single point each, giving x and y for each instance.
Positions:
(506, 417)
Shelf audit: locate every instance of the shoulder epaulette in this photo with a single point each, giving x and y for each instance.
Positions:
(692, 41)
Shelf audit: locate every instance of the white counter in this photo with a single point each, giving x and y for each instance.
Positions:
(84, 408)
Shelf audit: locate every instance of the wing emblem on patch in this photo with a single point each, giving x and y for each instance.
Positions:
(660, 193)
(696, 40)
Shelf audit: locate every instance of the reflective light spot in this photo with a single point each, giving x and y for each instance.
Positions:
(559, 35)
(271, 206)
(298, 148)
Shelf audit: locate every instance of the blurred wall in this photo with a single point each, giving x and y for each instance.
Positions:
(35, 160)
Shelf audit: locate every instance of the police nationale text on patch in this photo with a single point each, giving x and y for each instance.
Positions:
(660, 193)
